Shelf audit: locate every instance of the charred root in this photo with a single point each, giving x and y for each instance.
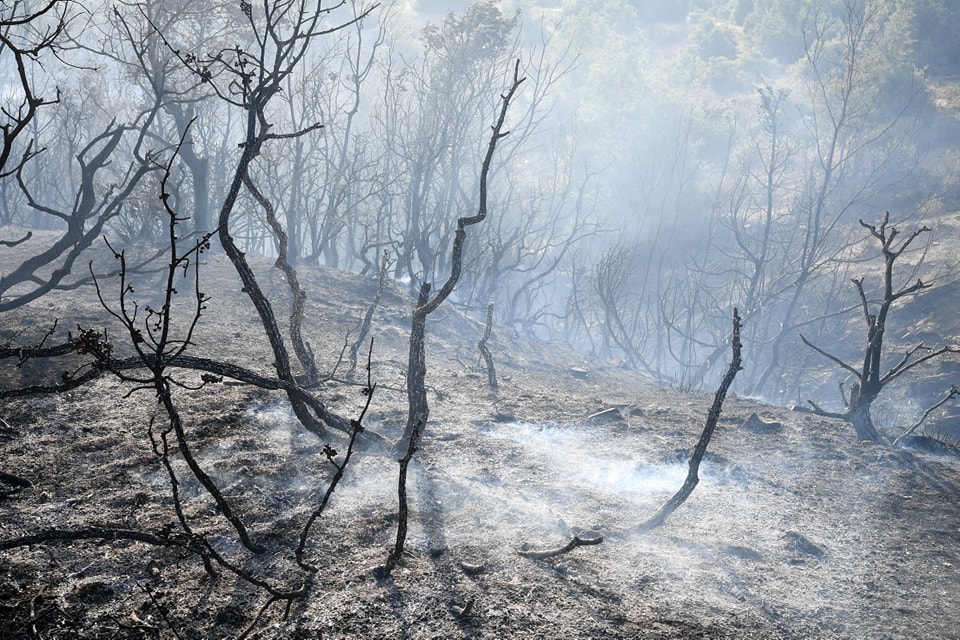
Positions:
(576, 541)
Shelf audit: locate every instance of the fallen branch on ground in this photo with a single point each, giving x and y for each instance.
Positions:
(577, 541)
(951, 393)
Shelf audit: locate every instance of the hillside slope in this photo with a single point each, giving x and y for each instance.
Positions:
(795, 531)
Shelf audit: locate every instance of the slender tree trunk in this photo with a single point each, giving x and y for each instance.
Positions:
(700, 450)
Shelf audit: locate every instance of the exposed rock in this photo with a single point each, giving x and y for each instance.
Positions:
(800, 544)
(742, 552)
(755, 424)
(578, 373)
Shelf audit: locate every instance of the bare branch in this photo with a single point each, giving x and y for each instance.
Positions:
(902, 368)
(951, 393)
(830, 356)
(577, 541)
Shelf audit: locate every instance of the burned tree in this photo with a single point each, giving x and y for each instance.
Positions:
(693, 467)
(871, 378)
(249, 79)
(418, 408)
(49, 267)
(25, 35)
(158, 337)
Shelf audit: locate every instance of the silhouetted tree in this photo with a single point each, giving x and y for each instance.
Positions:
(871, 375)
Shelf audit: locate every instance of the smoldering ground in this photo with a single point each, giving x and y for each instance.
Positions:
(795, 531)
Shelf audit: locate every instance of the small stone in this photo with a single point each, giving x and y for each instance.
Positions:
(755, 424)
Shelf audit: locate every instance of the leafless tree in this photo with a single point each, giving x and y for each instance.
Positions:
(518, 259)
(26, 38)
(699, 451)
(871, 374)
(321, 184)
(249, 79)
(428, 123)
(418, 407)
(159, 337)
(141, 39)
(858, 149)
(27, 35)
(84, 221)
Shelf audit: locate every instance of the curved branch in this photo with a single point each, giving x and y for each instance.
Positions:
(830, 356)
(577, 541)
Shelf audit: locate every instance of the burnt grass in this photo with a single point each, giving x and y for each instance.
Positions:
(795, 531)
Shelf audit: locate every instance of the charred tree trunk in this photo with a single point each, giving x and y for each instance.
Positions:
(418, 408)
(859, 417)
(693, 478)
(871, 378)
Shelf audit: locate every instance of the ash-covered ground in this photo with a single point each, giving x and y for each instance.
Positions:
(796, 530)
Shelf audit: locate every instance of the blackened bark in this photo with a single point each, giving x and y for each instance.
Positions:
(692, 479)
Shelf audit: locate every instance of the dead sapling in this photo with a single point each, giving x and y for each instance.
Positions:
(692, 479)
(418, 408)
(159, 338)
(249, 79)
(871, 378)
(485, 352)
(155, 339)
(713, 416)
(367, 321)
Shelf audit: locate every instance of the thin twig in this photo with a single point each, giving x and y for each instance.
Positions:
(951, 393)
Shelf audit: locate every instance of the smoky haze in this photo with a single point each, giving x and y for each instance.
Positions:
(666, 162)
(248, 251)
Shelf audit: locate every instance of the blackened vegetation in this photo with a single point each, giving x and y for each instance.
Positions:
(870, 377)
(40, 30)
(250, 80)
(192, 512)
(418, 408)
(300, 346)
(364, 327)
(575, 541)
(713, 416)
(160, 338)
(84, 222)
